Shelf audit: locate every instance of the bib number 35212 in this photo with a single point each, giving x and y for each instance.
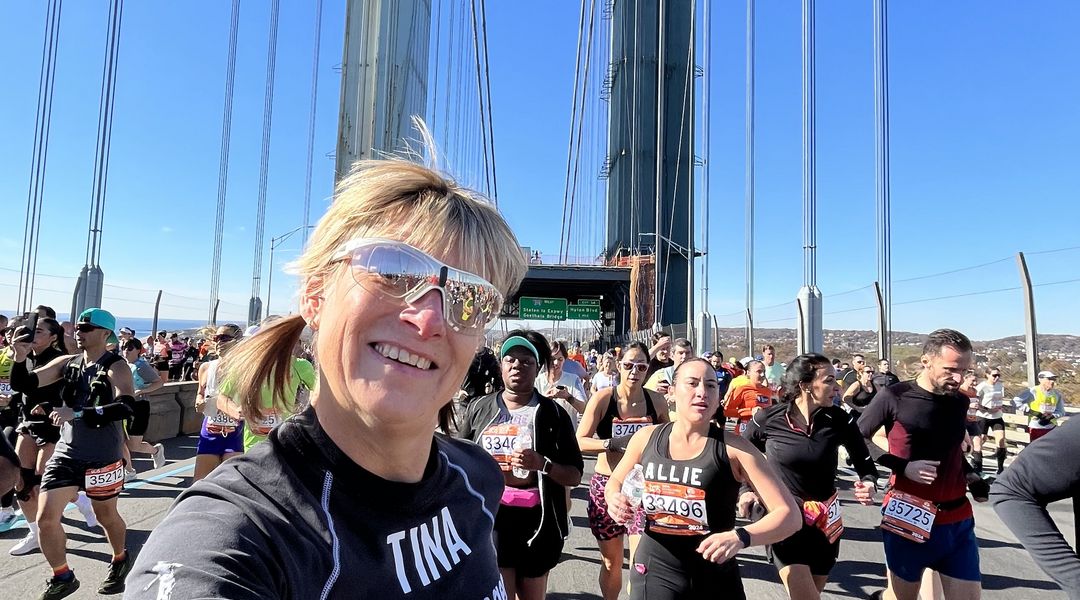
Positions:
(908, 516)
(105, 482)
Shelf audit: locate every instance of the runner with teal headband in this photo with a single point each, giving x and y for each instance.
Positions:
(533, 440)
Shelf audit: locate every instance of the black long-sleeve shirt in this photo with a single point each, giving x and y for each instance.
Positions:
(921, 425)
(806, 460)
(1046, 471)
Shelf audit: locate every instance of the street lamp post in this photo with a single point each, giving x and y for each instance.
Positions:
(274, 243)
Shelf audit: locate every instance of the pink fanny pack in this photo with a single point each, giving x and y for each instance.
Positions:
(520, 498)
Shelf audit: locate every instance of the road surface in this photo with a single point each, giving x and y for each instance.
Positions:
(1008, 571)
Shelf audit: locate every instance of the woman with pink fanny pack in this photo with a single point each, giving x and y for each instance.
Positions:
(533, 440)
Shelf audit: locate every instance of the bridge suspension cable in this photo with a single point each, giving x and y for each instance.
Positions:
(104, 144)
(223, 162)
(255, 310)
(36, 194)
(317, 39)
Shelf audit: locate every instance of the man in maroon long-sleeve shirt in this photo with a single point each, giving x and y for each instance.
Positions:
(927, 521)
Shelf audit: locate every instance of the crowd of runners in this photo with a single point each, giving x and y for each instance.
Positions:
(376, 472)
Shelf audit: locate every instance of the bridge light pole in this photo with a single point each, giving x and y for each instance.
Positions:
(274, 243)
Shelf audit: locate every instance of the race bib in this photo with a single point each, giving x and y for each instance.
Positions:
(106, 481)
(498, 441)
(624, 427)
(740, 426)
(833, 524)
(221, 424)
(675, 509)
(5, 389)
(908, 516)
(271, 418)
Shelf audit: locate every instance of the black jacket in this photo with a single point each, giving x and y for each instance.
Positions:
(555, 439)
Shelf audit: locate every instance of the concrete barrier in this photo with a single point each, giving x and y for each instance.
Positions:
(164, 414)
(190, 419)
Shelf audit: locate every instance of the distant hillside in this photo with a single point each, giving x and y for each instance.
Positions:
(1057, 353)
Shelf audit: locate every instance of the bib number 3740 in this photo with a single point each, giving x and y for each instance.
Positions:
(908, 516)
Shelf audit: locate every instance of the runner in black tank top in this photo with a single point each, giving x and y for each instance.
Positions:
(692, 471)
(614, 415)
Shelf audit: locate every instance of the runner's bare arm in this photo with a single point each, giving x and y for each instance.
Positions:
(783, 518)
(226, 405)
(618, 507)
(200, 392)
(594, 411)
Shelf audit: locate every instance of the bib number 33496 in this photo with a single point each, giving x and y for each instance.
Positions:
(908, 516)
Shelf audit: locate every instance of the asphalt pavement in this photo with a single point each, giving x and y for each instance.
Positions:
(1008, 571)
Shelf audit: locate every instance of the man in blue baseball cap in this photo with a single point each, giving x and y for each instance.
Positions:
(97, 394)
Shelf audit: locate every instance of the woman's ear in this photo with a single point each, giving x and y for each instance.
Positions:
(312, 298)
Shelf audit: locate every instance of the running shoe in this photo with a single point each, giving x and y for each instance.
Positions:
(7, 518)
(130, 475)
(114, 581)
(59, 588)
(159, 456)
(26, 545)
(87, 509)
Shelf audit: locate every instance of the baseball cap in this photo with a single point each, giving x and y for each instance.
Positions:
(127, 331)
(517, 341)
(1046, 375)
(99, 317)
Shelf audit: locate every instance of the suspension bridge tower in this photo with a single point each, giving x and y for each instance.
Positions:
(650, 152)
(384, 78)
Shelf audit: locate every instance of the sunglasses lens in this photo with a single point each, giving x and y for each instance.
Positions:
(401, 272)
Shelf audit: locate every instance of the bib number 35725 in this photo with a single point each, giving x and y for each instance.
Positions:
(105, 482)
(908, 516)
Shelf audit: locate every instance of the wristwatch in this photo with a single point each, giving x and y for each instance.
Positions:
(76, 414)
(607, 444)
(546, 469)
(743, 535)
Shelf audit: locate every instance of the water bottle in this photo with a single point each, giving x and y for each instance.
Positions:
(633, 486)
(522, 441)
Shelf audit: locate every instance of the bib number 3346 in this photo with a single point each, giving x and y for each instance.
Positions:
(908, 516)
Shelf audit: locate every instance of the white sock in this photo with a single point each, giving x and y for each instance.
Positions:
(33, 528)
(82, 501)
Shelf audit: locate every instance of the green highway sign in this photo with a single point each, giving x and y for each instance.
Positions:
(588, 302)
(542, 309)
(585, 312)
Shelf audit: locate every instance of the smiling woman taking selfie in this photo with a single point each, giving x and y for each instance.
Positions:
(356, 496)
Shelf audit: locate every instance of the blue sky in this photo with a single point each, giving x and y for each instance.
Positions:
(984, 158)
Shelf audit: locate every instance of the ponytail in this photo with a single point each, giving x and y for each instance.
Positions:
(263, 359)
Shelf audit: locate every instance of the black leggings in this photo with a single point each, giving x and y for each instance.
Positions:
(7, 500)
(673, 570)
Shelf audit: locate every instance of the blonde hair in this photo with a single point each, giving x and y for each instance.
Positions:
(394, 199)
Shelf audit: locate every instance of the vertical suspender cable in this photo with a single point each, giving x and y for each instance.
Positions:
(105, 115)
(884, 211)
(34, 199)
(564, 233)
(751, 118)
(223, 160)
(487, 95)
(580, 123)
(705, 113)
(658, 198)
(809, 148)
(311, 122)
(264, 156)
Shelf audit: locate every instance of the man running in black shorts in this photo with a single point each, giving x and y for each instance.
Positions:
(927, 520)
(97, 396)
